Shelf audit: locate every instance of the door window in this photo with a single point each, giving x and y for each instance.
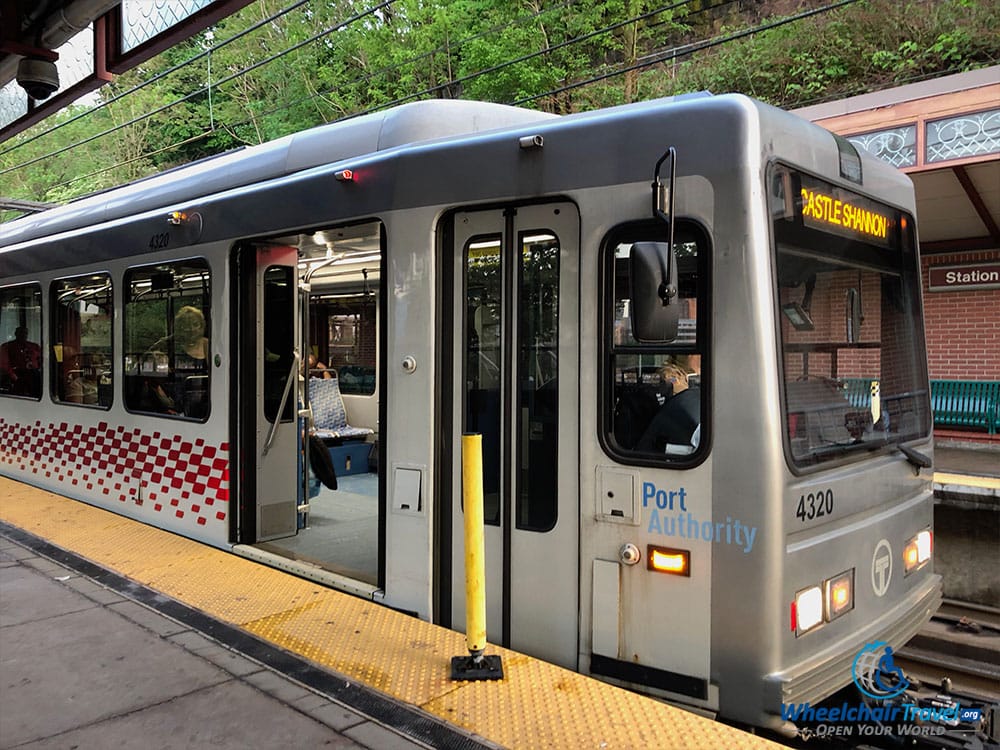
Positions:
(536, 360)
(483, 358)
(538, 379)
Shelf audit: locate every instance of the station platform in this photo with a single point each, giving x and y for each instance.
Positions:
(967, 522)
(116, 634)
(967, 477)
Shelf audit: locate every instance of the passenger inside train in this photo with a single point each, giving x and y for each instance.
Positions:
(185, 353)
(20, 365)
(317, 369)
(83, 384)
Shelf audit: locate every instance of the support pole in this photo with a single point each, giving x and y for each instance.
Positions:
(476, 666)
(475, 549)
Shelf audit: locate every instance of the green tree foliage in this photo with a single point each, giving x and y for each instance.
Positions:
(278, 67)
(861, 47)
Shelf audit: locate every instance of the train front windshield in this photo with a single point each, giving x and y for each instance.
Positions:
(851, 338)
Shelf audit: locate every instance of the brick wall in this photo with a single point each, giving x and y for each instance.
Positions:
(962, 327)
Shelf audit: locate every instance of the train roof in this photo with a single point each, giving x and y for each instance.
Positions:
(326, 144)
(441, 121)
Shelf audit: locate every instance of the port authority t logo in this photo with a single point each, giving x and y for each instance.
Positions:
(881, 567)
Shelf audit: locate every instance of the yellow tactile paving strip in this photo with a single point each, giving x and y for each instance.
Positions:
(537, 705)
(964, 480)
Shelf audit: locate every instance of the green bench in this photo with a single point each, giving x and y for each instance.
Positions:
(858, 391)
(956, 403)
(966, 403)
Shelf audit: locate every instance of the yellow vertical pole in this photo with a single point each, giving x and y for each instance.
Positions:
(477, 665)
(475, 558)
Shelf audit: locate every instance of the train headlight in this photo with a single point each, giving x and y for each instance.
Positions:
(917, 551)
(807, 611)
(839, 594)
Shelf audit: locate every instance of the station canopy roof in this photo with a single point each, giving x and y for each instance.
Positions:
(944, 133)
(52, 52)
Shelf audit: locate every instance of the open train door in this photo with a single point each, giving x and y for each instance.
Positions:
(265, 376)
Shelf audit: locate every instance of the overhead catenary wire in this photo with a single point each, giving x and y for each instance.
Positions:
(526, 57)
(647, 61)
(326, 32)
(201, 90)
(370, 76)
(159, 76)
(268, 20)
(687, 50)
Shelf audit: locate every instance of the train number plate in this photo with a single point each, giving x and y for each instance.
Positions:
(814, 505)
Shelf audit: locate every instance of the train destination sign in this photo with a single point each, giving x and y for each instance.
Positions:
(848, 215)
(969, 276)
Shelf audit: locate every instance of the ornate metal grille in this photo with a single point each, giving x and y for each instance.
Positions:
(897, 146)
(76, 58)
(144, 19)
(964, 136)
(75, 63)
(13, 103)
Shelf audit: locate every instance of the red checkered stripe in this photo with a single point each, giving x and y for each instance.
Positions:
(176, 475)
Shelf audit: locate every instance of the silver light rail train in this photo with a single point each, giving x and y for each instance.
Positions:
(689, 331)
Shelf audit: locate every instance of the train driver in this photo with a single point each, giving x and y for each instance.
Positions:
(676, 428)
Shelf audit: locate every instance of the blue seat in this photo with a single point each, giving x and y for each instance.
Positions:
(329, 415)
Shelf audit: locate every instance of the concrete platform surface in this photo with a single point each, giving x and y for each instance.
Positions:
(324, 646)
(83, 667)
(983, 462)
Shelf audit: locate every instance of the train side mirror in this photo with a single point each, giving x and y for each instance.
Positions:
(654, 305)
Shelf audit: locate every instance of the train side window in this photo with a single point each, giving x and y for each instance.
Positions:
(166, 339)
(346, 330)
(81, 340)
(21, 337)
(654, 406)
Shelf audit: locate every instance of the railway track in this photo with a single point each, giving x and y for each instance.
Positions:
(960, 644)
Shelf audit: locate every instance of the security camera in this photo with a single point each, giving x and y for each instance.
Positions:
(40, 78)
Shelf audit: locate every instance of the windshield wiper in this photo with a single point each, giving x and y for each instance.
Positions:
(918, 459)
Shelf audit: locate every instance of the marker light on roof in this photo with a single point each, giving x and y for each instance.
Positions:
(344, 175)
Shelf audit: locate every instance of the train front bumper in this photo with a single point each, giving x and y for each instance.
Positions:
(823, 673)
